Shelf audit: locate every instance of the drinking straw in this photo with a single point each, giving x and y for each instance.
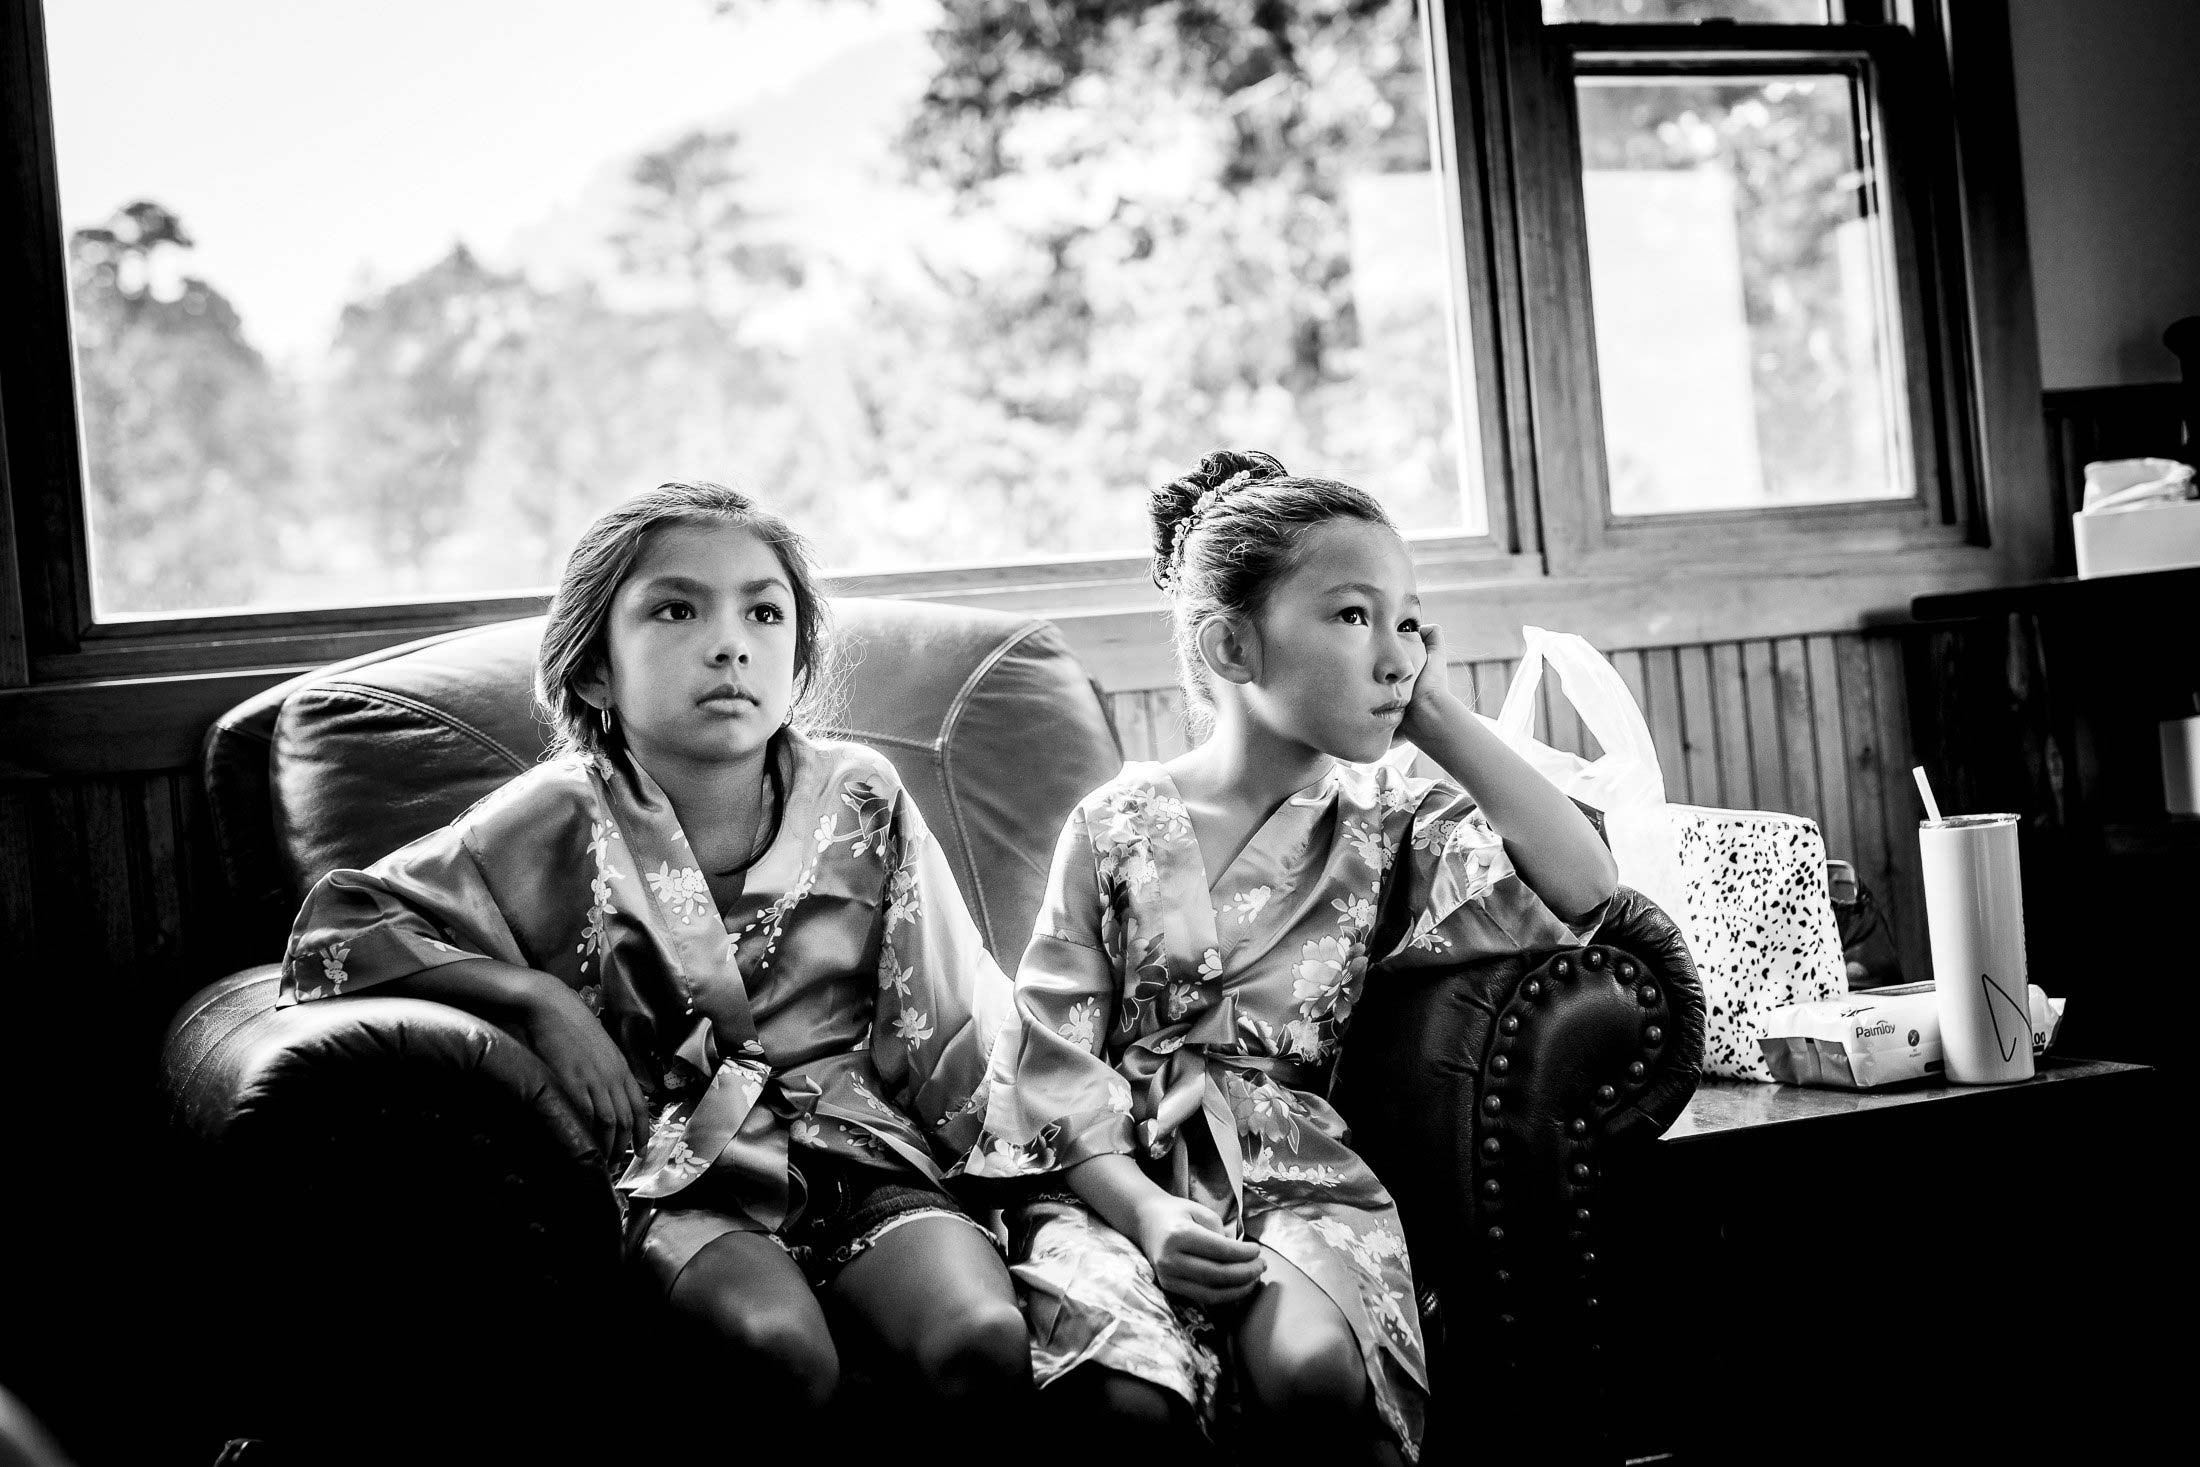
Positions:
(1925, 788)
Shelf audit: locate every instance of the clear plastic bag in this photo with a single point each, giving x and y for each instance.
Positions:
(1625, 784)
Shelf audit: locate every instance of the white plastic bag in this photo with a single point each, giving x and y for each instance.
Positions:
(1625, 785)
(1747, 888)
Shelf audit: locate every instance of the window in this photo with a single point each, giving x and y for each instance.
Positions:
(1740, 277)
(1771, 333)
(389, 300)
(317, 354)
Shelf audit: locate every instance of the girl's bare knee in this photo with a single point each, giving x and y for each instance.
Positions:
(978, 1347)
(789, 1349)
(1316, 1374)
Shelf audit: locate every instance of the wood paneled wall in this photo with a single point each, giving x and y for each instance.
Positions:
(111, 881)
(108, 887)
(1815, 726)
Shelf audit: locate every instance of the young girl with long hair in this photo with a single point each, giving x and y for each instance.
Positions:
(1207, 929)
(736, 950)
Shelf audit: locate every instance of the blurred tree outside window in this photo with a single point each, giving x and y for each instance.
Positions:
(1745, 324)
(386, 301)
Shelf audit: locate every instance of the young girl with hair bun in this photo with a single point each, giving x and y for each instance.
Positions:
(1208, 928)
(739, 955)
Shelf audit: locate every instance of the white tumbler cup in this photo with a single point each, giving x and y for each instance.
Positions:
(2181, 766)
(1974, 910)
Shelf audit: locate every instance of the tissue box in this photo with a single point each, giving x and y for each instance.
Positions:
(1863, 1040)
(2150, 537)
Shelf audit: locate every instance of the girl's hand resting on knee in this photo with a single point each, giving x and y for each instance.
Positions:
(1192, 1256)
(588, 1067)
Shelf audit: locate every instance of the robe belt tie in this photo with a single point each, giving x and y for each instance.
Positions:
(733, 1131)
(1205, 1163)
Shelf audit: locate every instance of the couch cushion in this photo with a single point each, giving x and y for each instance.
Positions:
(990, 720)
(263, 896)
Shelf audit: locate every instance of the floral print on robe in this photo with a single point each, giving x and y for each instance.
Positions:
(1195, 1025)
(844, 1003)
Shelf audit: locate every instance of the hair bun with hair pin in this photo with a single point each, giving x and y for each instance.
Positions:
(1174, 566)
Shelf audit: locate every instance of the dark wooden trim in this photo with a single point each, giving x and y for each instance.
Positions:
(1552, 258)
(121, 725)
(15, 659)
(1486, 317)
(1691, 49)
(1916, 149)
(309, 647)
(37, 364)
(2002, 405)
(2139, 599)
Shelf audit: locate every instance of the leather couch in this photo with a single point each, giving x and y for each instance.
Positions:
(408, 1238)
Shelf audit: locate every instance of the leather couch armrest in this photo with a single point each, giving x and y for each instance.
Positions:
(1494, 1099)
(381, 1107)
(377, 1180)
(231, 1060)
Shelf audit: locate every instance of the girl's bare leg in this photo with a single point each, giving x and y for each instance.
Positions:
(1105, 1418)
(934, 1297)
(746, 1293)
(1304, 1375)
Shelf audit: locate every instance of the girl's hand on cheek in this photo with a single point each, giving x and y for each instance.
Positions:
(1432, 694)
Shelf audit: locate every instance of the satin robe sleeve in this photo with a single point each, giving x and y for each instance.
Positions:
(942, 999)
(1056, 1101)
(1453, 893)
(420, 907)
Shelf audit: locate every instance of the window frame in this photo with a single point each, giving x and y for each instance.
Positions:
(1895, 60)
(1503, 90)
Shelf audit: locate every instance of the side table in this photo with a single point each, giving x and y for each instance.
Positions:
(1854, 1256)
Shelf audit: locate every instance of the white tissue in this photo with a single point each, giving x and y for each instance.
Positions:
(2131, 483)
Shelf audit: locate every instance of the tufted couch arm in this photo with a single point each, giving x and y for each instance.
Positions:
(1495, 1099)
(379, 1184)
(311, 1091)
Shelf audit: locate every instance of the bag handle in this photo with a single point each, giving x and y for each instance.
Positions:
(1606, 707)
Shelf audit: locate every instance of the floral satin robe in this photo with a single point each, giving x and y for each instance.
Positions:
(844, 1003)
(1194, 1022)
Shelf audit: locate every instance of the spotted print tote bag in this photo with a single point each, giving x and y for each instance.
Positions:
(1747, 888)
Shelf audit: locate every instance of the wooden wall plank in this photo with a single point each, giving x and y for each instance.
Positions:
(19, 858)
(1905, 893)
(161, 875)
(105, 894)
(1165, 711)
(1798, 732)
(1864, 770)
(1557, 725)
(1662, 709)
(1492, 679)
(1761, 707)
(1823, 679)
(1133, 724)
(1628, 664)
(1730, 697)
(1706, 781)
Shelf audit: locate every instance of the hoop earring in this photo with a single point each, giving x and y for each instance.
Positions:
(605, 714)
